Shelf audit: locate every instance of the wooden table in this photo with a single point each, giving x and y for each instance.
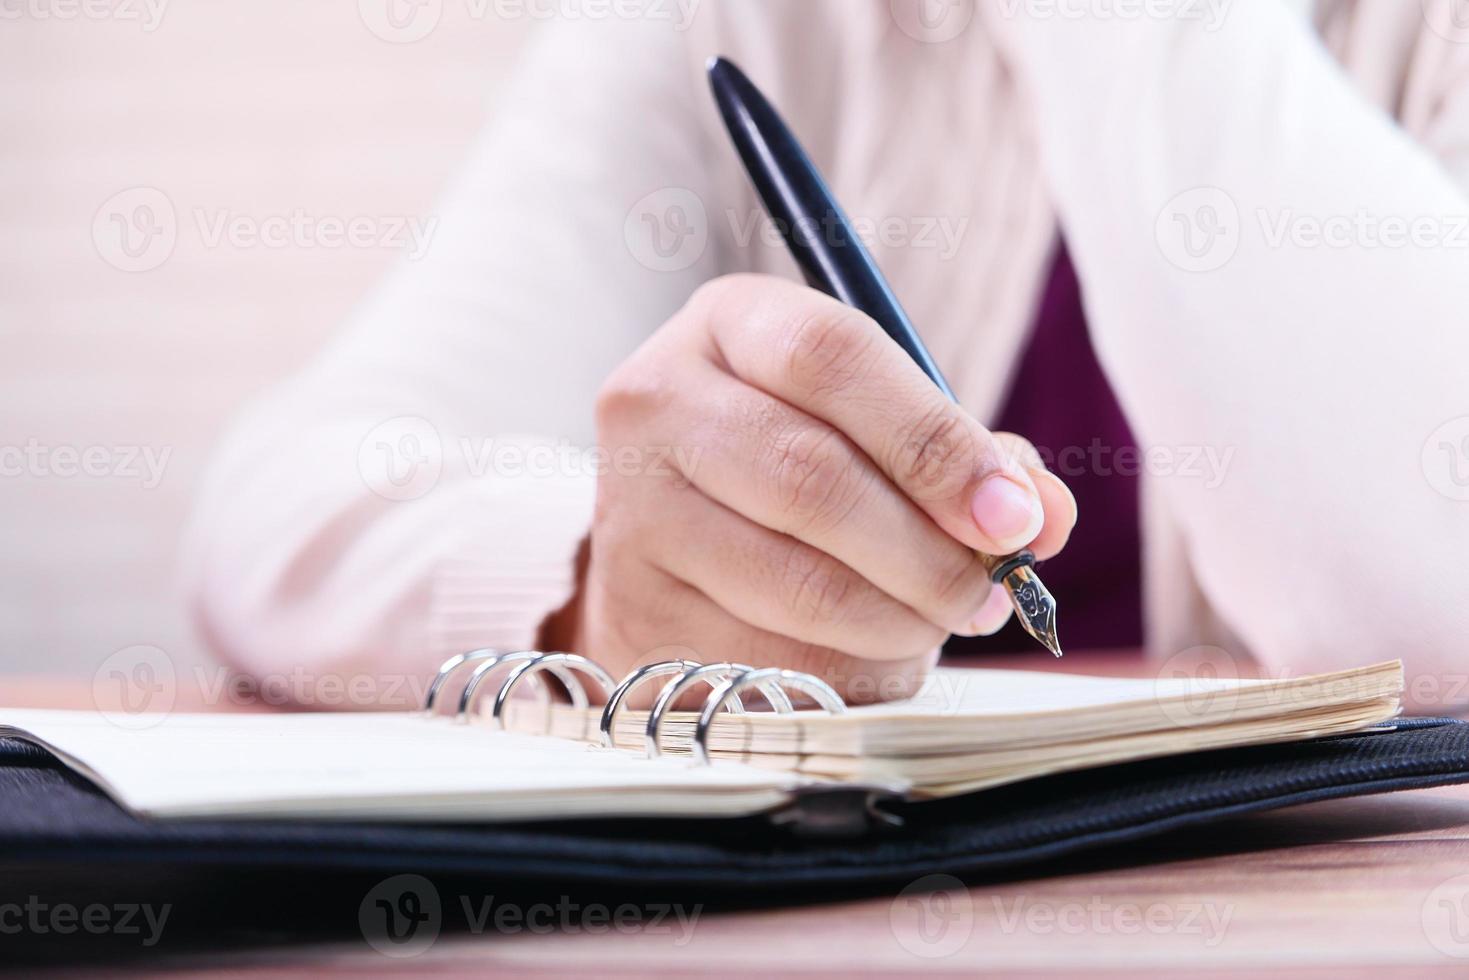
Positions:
(1370, 887)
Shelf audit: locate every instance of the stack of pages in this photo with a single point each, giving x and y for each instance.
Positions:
(966, 730)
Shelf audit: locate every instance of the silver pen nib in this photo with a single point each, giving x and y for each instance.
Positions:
(1034, 606)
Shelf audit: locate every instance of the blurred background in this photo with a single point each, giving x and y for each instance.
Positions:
(196, 194)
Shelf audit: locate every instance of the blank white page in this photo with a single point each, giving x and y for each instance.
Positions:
(395, 765)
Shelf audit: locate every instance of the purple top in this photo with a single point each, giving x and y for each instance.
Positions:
(1062, 403)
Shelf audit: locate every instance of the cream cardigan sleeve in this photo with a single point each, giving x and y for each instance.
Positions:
(417, 490)
(1275, 268)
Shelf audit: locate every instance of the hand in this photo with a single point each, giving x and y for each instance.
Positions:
(824, 506)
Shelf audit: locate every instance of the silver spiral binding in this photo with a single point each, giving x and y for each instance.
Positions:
(488, 659)
(808, 684)
(635, 680)
(447, 668)
(727, 682)
(709, 674)
(552, 662)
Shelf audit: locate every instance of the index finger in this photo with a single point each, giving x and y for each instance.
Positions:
(837, 364)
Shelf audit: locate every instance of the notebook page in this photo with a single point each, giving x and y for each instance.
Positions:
(362, 764)
(979, 691)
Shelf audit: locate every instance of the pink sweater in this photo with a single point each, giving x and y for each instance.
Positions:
(1269, 232)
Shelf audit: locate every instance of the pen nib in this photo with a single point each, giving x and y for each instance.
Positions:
(1034, 606)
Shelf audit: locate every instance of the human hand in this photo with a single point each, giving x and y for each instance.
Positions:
(827, 507)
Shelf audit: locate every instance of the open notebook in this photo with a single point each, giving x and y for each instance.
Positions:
(965, 730)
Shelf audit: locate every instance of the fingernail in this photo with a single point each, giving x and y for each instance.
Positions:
(990, 616)
(1008, 513)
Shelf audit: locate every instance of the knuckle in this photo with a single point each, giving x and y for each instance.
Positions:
(634, 390)
(938, 454)
(813, 481)
(827, 350)
(818, 588)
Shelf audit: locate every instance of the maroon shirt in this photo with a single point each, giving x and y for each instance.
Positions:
(1063, 404)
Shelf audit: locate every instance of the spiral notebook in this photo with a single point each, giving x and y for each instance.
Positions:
(510, 758)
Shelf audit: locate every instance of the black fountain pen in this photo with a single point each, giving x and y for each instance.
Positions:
(835, 261)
